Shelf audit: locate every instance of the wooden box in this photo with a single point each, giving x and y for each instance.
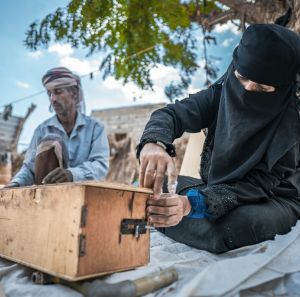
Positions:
(75, 230)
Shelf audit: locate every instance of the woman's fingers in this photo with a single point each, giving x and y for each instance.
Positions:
(163, 221)
(172, 177)
(155, 161)
(164, 200)
(150, 174)
(166, 211)
(143, 166)
(159, 179)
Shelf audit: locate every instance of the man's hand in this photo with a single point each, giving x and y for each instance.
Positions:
(168, 210)
(11, 185)
(58, 175)
(155, 162)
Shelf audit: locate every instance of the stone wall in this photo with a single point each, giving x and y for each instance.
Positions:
(124, 127)
(129, 120)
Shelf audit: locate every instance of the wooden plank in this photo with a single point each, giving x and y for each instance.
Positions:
(106, 249)
(116, 186)
(11, 118)
(98, 184)
(191, 161)
(11, 129)
(9, 124)
(39, 227)
(7, 138)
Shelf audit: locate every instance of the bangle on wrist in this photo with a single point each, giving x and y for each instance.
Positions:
(162, 145)
(169, 148)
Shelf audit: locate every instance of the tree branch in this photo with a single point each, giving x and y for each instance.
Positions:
(208, 21)
(262, 11)
(221, 18)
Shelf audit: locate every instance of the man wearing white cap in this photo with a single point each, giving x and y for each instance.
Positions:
(77, 142)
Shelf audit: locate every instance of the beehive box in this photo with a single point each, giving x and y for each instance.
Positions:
(75, 230)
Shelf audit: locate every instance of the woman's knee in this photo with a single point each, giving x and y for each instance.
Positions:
(253, 223)
(198, 233)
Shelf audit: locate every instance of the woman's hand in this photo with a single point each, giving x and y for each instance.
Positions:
(155, 162)
(168, 210)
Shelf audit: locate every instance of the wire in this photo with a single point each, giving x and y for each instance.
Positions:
(23, 98)
(41, 92)
(90, 74)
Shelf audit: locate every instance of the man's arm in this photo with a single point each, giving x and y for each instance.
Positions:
(96, 167)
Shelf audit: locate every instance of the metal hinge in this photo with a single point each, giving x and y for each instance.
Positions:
(133, 226)
(82, 244)
(84, 212)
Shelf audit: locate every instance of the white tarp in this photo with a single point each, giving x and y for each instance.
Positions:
(271, 268)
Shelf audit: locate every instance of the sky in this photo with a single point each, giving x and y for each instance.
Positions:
(21, 70)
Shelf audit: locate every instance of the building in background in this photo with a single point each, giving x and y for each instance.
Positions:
(10, 130)
(124, 127)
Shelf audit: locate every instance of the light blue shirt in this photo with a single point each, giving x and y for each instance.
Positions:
(87, 146)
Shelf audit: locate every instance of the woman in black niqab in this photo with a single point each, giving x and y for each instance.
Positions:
(250, 174)
(253, 126)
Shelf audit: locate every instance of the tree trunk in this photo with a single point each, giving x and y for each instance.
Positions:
(264, 11)
(295, 21)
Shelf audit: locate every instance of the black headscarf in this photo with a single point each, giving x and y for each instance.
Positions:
(257, 127)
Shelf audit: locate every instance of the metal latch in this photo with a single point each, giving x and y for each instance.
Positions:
(82, 245)
(84, 212)
(135, 227)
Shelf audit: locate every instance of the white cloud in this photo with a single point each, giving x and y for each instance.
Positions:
(111, 83)
(62, 50)
(161, 75)
(66, 59)
(112, 92)
(227, 42)
(229, 26)
(81, 67)
(131, 92)
(22, 84)
(35, 55)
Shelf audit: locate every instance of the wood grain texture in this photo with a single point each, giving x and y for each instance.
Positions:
(39, 227)
(106, 248)
(116, 186)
